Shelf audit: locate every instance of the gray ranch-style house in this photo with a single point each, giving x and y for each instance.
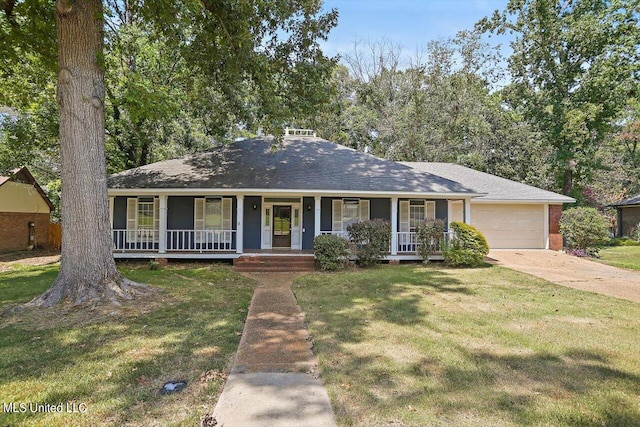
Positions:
(251, 197)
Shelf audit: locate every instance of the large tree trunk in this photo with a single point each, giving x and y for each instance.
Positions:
(87, 270)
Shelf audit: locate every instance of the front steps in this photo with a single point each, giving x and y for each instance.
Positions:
(258, 263)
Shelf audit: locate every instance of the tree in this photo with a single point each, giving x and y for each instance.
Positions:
(269, 47)
(439, 106)
(574, 64)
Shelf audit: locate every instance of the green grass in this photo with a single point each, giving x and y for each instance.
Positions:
(115, 360)
(407, 345)
(621, 256)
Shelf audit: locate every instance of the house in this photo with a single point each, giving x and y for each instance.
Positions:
(24, 212)
(628, 214)
(249, 197)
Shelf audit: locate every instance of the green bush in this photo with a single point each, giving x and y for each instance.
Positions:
(331, 252)
(467, 246)
(584, 228)
(429, 236)
(623, 241)
(371, 239)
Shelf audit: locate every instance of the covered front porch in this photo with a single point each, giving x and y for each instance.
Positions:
(221, 225)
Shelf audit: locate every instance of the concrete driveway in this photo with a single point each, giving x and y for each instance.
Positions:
(572, 271)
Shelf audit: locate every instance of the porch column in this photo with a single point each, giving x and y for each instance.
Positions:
(316, 217)
(162, 233)
(240, 223)
(467, 211)
(448, 213)
(394, 226)
(111, 203)
(546, 226)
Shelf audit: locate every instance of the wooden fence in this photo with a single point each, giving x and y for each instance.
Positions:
(55, 235)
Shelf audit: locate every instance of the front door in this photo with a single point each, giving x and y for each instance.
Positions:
(282, 226)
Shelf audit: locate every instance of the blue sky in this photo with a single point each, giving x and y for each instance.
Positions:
(408, 23)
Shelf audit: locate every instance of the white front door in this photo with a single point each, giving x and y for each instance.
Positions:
(296, 226)
(266, 226)
(281, 224)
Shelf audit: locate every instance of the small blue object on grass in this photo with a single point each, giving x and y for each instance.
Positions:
(173, 387)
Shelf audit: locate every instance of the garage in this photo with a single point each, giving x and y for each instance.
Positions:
(511, 226)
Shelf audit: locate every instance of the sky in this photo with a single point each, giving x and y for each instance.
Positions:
(408, 23)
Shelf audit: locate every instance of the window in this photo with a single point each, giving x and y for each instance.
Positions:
(414, 212)
(143, 219)
(212, 221)
(145, 214)
(348, 211)
(212, 214)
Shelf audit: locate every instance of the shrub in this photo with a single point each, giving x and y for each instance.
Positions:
(467, 246)
(371, 239)
(331, 252)
(429, 235)
(584, 228)
(623, 241)
(635, 233)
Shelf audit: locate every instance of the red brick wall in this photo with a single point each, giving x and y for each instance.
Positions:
(555, 238)
(14, 230)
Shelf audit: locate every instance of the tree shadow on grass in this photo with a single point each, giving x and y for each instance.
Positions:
(520, 387)
(393, 295)
(118, 362)
(452, 381)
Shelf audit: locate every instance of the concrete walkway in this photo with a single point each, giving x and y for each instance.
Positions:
(572, 272)
(272, 381)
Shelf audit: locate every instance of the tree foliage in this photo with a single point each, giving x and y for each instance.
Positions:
(259, 59)
(438, 106)
(574, 65)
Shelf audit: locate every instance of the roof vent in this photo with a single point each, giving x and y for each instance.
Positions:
(299, 132)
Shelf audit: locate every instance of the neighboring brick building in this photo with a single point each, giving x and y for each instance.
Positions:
(24, 212)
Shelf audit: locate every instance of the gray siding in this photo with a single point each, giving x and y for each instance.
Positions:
(325, 213)
(252, 222)
(180, 213)
(308, 222)
(119, 213)
(441, 209)
(381, 209)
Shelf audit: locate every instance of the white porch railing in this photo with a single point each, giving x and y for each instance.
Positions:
(200, 240)
(408, 242)
(177, 240)
(141, 239)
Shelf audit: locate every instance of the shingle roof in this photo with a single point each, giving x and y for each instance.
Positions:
(629, 201)
(301, 163)
(496, 188)
(22, 174)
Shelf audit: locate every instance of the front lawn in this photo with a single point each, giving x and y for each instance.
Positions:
(621, 256)
(408, 345)
(112, 361)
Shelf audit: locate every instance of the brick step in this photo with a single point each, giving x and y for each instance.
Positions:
(274, 260)
(274, 263)
(260, 269)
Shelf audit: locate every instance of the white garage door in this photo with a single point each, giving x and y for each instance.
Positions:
(510, 226)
